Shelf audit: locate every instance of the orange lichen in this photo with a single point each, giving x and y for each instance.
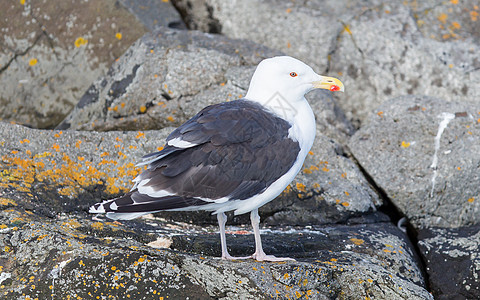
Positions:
(443, 18)
(6, 202)
(474, 15)
(356, 241)
(301, 187)
(32, 62)
(118, 35)
(140, 134)
(307, 171)
(80, 42)
(69, 176)
(471, 200)
(405, 144)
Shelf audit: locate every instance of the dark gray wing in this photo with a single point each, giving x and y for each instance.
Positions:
(228, 151)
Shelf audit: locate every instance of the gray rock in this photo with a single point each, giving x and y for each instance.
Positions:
(379, 49)
(70, 170)
(71, 255)
(452, 261)
(306, 30)
(164, 79)
(385, 53)
(423, 153)
(51, 52)
(153, 14)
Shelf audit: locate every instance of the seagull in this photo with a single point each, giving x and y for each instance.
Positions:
(232, 156)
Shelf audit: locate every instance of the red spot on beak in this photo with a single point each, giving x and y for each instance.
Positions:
(334, 88)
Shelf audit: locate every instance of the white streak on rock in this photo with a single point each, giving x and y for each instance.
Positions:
(446, 118)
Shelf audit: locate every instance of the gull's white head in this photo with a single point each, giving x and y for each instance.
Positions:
(289, 78)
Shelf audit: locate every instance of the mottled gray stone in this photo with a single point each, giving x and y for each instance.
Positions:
(306, 30)
(423, 153)
(156, 83)
(51, 52)
(70, 170)
(153, 13)
(386, 53)
(452, 261)
(73, 255)
(379, 49)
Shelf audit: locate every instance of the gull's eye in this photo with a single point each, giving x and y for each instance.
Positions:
(293, 74)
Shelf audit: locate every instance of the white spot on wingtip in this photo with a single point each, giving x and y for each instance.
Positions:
(179, 143)
(113, 206)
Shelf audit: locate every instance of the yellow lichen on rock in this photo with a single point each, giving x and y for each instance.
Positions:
(70, 175)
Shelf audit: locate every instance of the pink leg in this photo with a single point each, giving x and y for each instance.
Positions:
(259, 254)
(222, 219)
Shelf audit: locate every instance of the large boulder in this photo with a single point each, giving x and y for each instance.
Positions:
(153, 13)
(380, 49)
(423, 153)
(52, 51)
(69, 170)
(73, 256)
(384, 53)
(165, 78)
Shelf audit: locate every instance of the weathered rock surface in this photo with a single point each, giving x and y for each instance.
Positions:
(380, 49)
(72, 255)
(165, 78)
(452, 257)
(51, 246)
(423, 153)
(153, 13)
(51, 52)
(71, 170)
(403, 58)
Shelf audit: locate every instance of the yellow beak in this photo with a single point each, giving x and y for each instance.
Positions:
(329, 83)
